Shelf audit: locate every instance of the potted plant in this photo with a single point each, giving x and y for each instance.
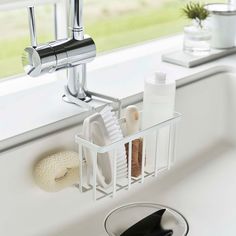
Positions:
(197, 36)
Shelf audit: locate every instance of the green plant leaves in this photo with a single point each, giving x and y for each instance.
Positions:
(196, 11)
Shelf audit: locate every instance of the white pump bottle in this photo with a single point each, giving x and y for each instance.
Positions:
(158, 105)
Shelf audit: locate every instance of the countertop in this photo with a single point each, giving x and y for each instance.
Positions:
(38, 108)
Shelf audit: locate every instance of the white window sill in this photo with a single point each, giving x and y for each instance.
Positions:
(23, 82)
(34, 107)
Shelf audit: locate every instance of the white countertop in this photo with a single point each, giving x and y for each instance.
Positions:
(119, 74)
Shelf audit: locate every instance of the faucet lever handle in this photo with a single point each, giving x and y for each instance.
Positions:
(32, 27)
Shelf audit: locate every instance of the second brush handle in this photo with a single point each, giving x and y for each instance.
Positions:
(132, 117)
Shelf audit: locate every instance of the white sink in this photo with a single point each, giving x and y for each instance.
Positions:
(201, 185)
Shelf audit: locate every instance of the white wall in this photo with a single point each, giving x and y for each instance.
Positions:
(205, 115)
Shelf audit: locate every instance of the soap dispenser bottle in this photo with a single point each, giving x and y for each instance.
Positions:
(158, 106)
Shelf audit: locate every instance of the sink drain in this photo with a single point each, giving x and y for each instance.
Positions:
(145, 219)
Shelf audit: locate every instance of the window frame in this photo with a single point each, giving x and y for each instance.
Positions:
(13, 4)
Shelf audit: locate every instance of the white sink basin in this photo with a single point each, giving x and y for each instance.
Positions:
(201, 186)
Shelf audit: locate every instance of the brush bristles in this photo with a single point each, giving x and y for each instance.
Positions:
(115, 134)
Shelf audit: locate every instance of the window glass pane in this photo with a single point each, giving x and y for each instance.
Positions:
(15, 36)
(117, 23)
(112, 24)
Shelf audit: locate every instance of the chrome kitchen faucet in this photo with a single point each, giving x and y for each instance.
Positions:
(71, 53)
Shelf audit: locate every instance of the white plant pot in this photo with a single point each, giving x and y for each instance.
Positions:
(222, 23)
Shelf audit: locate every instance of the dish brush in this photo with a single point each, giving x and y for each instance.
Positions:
(115, 134)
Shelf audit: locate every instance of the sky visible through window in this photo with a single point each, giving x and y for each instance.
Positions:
(112, 24)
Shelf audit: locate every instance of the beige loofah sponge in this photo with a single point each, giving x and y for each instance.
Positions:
(57, 171)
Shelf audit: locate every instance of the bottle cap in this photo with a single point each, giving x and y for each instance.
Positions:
(160, 77)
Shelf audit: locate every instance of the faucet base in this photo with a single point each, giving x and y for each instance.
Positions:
(68, 98)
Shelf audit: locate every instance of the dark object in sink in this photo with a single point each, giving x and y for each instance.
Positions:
(149, 226)
(145, 219)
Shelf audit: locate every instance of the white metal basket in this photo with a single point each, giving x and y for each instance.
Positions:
(89, 182)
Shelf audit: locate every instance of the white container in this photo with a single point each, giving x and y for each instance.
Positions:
(197, 40)
(232, 2)
(158, 105)
(222, 22)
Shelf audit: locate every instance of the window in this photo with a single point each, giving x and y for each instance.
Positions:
(112, 24)
(117, 23)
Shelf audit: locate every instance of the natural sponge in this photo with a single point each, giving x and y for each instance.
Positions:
(57, 171)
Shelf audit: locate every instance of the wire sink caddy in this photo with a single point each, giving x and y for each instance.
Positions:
(88, 173)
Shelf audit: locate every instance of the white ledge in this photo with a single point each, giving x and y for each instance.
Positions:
(34, 107)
